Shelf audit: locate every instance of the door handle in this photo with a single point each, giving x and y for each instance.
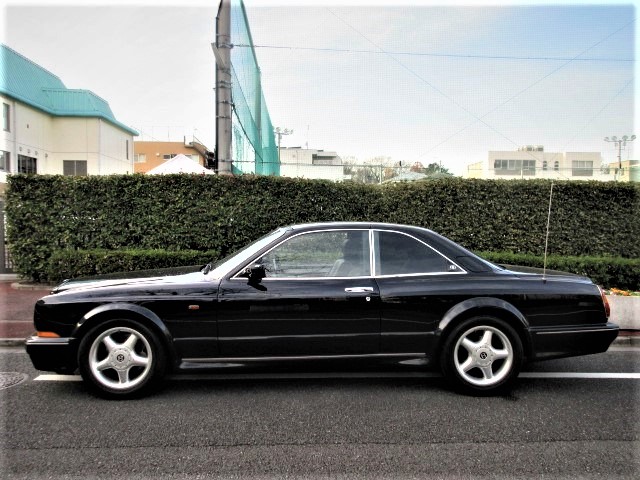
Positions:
(359, 289)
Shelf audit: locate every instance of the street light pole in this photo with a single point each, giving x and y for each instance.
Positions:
(620, 143)
(279, 132)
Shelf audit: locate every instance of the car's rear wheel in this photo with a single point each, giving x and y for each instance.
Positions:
(121, 359)
(481, 356)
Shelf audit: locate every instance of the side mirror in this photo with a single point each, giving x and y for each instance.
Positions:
(255, 273)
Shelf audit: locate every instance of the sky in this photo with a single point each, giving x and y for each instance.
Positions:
(419, 81)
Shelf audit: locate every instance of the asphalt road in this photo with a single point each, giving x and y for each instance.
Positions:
(387, 423)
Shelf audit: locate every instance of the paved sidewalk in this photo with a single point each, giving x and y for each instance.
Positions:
(17, 301)
(16, 310)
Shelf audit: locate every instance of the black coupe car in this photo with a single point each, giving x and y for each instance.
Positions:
(320, 292)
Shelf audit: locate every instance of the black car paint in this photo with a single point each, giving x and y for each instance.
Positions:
(203, 321)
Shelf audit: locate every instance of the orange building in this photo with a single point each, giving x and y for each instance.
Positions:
(148, 155)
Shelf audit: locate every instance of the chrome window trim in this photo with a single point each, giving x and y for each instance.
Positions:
(372, 260)
(279, 279)
(426, 274)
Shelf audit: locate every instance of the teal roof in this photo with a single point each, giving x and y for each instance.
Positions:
(28, 82)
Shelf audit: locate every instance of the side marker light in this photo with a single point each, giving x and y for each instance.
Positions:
(47, 335)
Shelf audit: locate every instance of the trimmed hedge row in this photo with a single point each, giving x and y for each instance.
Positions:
(587, 218)
(609, 272)
(79, 263)
(211, 213)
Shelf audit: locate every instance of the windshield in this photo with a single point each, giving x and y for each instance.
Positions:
(223, 266)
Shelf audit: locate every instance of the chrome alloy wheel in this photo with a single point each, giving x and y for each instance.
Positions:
(120, 358)
(483, 356)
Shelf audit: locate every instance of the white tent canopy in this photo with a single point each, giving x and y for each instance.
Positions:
(179, 164)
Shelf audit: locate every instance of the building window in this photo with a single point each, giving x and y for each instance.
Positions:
(127, 147)
(582, 168)
(4, 161)
(320, 160)
(27, 165)
(514, 167)
(556, 166)
(6, 117)
(140, 158)
(528, 167)
(545, 165)
(74, 168)
(168, 156)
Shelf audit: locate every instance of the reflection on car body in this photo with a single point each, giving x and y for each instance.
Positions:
(322, 291)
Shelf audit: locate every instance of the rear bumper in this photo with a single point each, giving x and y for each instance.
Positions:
(568, 342)
(53, 354)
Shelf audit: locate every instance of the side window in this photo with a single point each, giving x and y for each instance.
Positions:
(320, 254)
(399, 254)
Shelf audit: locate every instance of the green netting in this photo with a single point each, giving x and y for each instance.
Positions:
(253, 147)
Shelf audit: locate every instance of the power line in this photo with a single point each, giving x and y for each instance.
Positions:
(446, 55)
(452, 100)
(424, 80)
(527, 88)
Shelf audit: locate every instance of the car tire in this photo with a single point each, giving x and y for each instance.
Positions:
(121, 359)
(481, 356)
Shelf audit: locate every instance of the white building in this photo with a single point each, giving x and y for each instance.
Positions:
(533, 162)
(50, 129)
(310, 163)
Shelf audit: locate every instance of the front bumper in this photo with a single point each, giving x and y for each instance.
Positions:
(569, 342)
(53, 354)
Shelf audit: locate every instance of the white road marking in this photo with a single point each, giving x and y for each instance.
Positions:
(57, 378)
(594, 375)
(364, 375)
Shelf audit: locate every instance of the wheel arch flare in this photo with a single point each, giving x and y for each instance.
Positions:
(489, 306)
(128, 311)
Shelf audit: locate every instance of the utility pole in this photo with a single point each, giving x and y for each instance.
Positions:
(620, 143)
(222, 51)
(279, 132)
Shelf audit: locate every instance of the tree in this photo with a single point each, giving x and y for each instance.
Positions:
(434, 168)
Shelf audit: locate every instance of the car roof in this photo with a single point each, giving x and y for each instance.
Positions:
(381, 225)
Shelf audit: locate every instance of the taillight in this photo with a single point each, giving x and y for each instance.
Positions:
(607, 308)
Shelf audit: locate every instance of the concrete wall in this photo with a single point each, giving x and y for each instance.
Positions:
(625, 311)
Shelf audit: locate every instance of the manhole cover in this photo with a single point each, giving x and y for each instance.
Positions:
(9, 379)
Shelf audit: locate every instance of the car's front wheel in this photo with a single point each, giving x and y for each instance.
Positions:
(481, 356)
(121, 359)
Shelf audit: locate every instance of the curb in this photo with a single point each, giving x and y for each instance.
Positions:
(12, 342)
(627, 340)
(32, 286)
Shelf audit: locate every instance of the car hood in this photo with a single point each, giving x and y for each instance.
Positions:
(175, 275)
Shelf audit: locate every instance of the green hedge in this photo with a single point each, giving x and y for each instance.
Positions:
(609, 272)
(78, 263)
(211, 213)
(588, 218)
